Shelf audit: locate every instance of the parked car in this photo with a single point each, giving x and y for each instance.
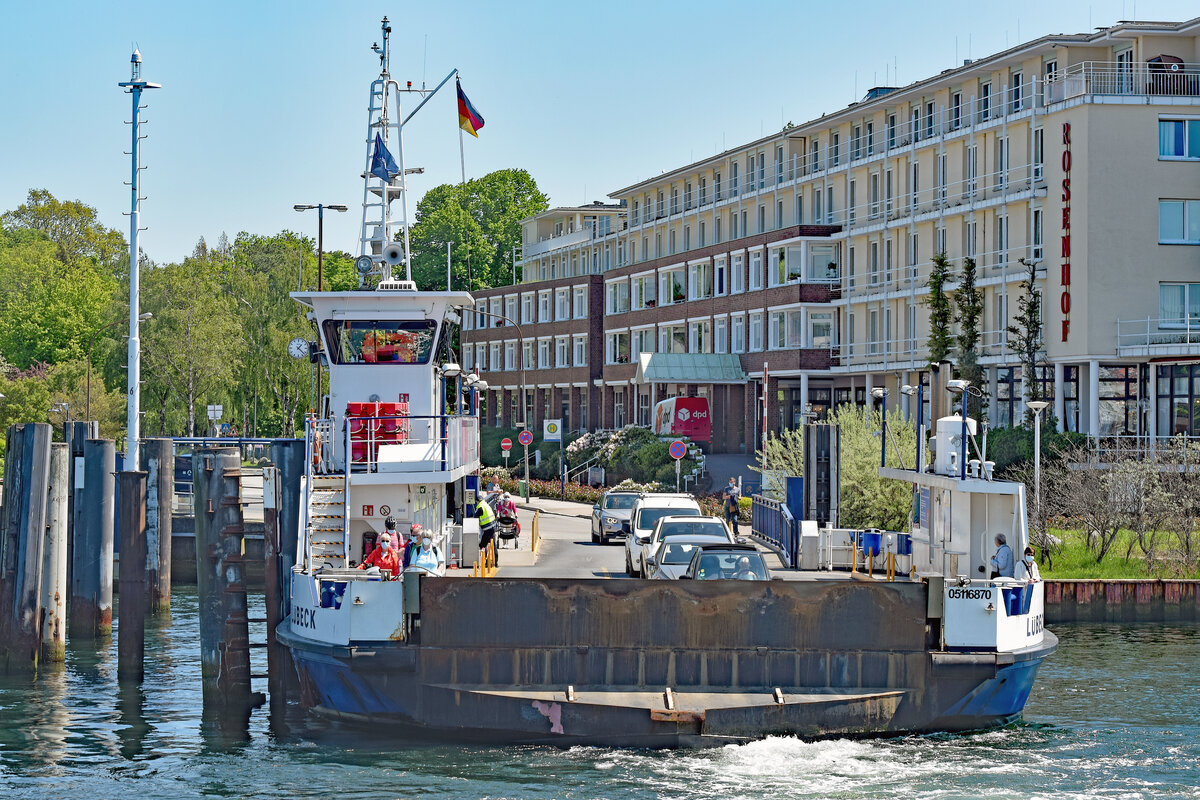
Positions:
(610, 516)
(712, 562)
(674, 555)
(647, 510)
(675, 525)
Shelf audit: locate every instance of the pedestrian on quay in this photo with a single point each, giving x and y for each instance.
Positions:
(1002, 562)
(487, 528)
(733, 489)
(731, 511)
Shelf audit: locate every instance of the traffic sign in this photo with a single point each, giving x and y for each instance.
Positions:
(525, 438)
(552, 430)
(506, 445)
(678, 450)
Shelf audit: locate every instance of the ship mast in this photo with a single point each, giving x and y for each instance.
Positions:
(376, 240)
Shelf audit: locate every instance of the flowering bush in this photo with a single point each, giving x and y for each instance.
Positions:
(575, 492)
(714, 506)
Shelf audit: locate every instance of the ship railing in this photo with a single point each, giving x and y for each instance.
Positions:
(450, 440)
(772, 522)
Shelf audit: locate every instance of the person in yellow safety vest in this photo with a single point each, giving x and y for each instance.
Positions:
(487, 525)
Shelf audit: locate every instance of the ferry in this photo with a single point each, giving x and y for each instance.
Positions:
(930, 642)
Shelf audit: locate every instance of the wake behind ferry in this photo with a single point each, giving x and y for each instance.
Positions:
(823, 652)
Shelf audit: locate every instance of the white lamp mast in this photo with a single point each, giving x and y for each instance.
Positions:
(134, 86)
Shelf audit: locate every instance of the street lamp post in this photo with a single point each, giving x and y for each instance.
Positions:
(320, 207)
(1037, 406)
(87, 413)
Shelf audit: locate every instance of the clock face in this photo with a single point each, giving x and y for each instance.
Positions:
(298, 348)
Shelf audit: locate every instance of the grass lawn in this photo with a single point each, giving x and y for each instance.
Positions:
(1075, 560)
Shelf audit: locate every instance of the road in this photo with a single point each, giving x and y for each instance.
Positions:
(566, 551)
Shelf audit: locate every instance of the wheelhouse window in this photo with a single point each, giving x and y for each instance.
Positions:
(380, 341)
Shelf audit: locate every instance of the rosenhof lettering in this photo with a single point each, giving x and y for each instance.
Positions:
(1064, 300)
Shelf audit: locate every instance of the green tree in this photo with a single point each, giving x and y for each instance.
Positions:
(26, 398)
(481, 219)
(1026, 330)
(781, 453)
(73, 229)
(48, 309)
(191, 351)
(941, 341)
(866, 499)
(968, 301)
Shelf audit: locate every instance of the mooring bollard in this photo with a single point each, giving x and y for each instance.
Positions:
(92, 554)
(131, 633)
(76, 434)
(54, 563)
(158, 461)
(220, 580)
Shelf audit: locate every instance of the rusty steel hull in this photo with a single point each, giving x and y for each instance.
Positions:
(665, 664)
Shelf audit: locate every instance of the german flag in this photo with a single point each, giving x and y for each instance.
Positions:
(468, 118)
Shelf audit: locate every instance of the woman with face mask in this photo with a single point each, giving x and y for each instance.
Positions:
(1027, 568)
(426, 558)
(383, 556)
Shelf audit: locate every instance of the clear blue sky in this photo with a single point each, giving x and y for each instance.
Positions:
(263, 104)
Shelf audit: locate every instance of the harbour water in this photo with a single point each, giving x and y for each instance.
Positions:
(1115, 713)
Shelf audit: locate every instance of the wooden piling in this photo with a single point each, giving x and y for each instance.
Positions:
(76, 433)
(131, 633)
(158, 461)
(10, 524)
(54, 564)
(92, 554)
(220, 581)
(282, 534)
(25, 641)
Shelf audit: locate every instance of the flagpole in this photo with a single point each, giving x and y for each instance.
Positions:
(462, 159)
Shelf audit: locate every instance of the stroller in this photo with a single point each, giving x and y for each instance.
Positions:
(507, 526)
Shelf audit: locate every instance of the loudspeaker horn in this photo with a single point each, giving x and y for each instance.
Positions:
(393, 254)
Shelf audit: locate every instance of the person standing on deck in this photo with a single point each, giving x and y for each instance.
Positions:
(383, 556)
(1027, 568)
(1002, 562)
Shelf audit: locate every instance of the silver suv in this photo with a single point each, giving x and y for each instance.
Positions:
(648, 509)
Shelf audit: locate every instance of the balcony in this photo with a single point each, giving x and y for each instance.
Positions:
(1178, 79)
(542, 246)
(1152, 337)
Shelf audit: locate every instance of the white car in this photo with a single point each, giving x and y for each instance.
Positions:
(674, 525)
(648, 510)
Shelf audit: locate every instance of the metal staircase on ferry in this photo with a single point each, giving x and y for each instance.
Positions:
(326, 521)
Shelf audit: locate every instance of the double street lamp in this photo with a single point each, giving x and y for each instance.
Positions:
(320, 207)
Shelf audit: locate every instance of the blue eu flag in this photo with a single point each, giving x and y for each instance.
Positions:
(383, 165)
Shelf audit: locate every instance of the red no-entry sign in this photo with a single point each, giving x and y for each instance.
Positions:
(506, 445)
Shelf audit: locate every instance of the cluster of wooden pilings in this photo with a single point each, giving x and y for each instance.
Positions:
(56, 545)
(57, 527)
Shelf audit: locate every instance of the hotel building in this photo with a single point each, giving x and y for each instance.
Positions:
(803, 258)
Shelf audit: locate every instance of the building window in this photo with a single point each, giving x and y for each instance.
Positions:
(1179, 139)
(543, 360)
(672, 289)
(581, 309)
(720, 333)
(580, 344)
(562, 352)
(1038, 155)
(778, 330)
(955, 111)
(562, 304)
(756, 276)
(1071, 399)
(756, 332)
(985, 101)
(544, 307)
(527, 355)
(617, 301)
(701, 281)
(510, 355)
(643, 341)
(1016, 92)
(739, 335)
(721, 277)
(494, 359)
(891, 131)
(700, 337)
(644, 292)
(1179, 221)
(1119, 401)
(1178, 399)
(737, 283)
(617, 348)
(1008, 396)
(1179, 305)
(1037, 234)
(820, 328)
